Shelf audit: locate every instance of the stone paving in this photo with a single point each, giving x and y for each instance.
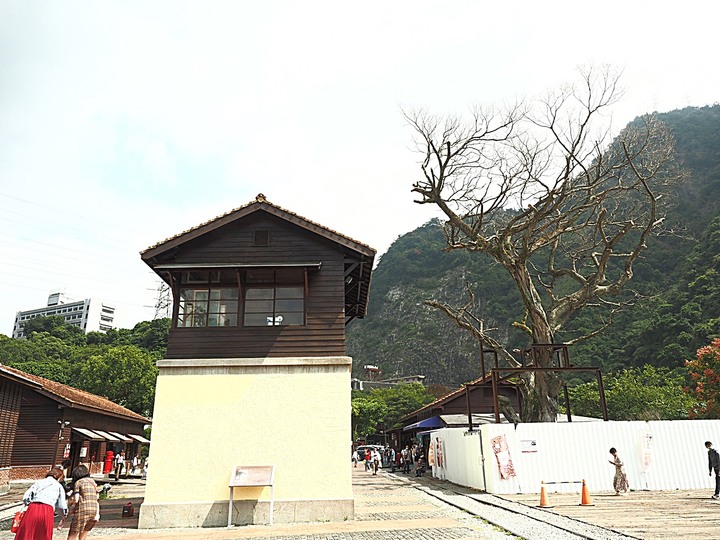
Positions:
(386, 509)
(403, 507)
(650, 515)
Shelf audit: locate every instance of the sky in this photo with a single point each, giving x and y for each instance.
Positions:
(123, 123)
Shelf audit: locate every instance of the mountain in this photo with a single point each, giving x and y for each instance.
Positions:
(680, 277)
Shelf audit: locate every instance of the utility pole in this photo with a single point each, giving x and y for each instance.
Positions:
(163, 302)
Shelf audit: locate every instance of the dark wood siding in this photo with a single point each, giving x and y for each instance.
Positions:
(36, 438)
(324, 331)
(10, 395)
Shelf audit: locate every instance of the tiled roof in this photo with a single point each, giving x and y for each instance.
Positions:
(72, 395)
(447, 397)
(259, 200)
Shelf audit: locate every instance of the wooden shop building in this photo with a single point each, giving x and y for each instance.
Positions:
(43, 423)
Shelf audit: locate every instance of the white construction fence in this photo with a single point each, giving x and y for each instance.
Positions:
(504, 459)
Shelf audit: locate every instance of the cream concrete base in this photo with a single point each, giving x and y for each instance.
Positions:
(291, 413)
(201, 514)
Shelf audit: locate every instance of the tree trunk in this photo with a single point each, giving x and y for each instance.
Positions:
(540, 389)
(540, 396)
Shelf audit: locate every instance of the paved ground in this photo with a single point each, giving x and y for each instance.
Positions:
(390, 507)
(386, 508)
(651, 515)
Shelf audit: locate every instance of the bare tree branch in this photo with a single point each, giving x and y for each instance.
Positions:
(546, 193)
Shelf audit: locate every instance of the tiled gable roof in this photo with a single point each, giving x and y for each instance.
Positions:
(262, 204)
(448, 397)
(72, 396)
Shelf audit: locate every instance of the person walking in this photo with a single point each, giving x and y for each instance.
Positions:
(376, 457)
(86, 509)
(620, 481)
(119, 464)
(714, 463)
(41, 500)
(406, 458)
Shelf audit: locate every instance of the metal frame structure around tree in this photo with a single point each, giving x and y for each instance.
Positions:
(559, 352)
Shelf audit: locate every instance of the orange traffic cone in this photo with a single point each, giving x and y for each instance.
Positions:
(544, 503)
(585, 499)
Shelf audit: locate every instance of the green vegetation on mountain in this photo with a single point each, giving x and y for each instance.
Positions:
(678, 277)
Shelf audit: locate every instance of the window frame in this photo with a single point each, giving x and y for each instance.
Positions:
(183, 281)
(274, 285)
(186, 282)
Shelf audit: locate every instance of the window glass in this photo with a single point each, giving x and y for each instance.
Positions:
(207, 307)
(255, 320)
(281, 305)
(259, 294)
(259, 306)
(290, 292)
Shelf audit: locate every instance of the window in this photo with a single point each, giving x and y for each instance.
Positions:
(274, 297)
(208, 307)
(208, 299)
(270, 297)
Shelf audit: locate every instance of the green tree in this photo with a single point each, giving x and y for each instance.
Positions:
(704, 372)
(645, 393)
(56, 326)
(152, 335)
(401, 400)
(18, 351)
(367, 413)
(125, 375)
(386, 406)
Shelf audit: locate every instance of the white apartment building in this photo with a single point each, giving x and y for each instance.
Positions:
(91, 315)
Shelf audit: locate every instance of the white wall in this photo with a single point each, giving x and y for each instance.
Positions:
(658, 455)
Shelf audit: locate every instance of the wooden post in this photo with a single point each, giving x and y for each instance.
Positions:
(469, 410)
(496, 403)
(601, 390)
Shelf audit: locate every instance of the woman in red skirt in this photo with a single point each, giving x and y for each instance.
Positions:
(41, 499)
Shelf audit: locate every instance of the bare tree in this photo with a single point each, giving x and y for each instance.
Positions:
(564, 209)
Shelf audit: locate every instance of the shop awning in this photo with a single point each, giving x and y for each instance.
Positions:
(139, 438)
(107, 436)
(428, 423)
(87, 434)
(123, 438)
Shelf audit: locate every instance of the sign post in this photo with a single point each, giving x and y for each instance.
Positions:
(254, 476)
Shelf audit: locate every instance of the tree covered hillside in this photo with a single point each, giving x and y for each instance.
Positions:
(677, 276)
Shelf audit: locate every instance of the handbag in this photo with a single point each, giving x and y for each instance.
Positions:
(17, 518)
